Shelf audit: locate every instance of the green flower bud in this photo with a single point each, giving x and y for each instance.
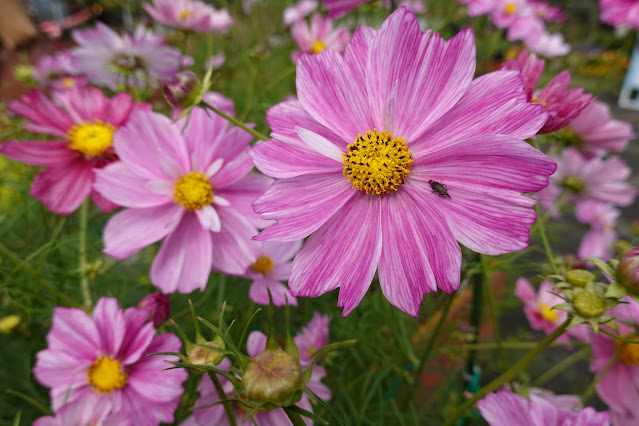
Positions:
(579, 277)
(182, 91)
(272, 376)
(201, 356)
(589, 305)
(628, 271)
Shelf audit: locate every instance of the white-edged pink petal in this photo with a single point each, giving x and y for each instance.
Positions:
(320, 144)
(233, 250)
(120, 184)
(209, 218)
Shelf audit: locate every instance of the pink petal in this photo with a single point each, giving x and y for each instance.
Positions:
(256, 343)
(281, 252)
(282, 160)
(233, 250)
(242, 194)
(63, 189)
(233, 170)
(204, 132)
(344, 253)
(39, 153)
(103, 204)
(356, 52)
(119, 183)
(525, 292)
(109, 321)
(184, 262)
(139, 335)
(279, 292)
(320, 144)
(132, 229)
(44, 114)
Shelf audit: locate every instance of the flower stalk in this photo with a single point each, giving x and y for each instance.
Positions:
(233, 120)
(225, 402)
(82, 255)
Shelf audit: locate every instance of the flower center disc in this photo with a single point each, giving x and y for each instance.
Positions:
(91, 139)
(510, 8)
(263, 265)
(547, 313)
(106, 375)
(629, 354)
(185, 14)
(318, 46)
(193, 191)
(377, 163)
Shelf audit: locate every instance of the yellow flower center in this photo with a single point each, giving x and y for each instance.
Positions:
(106, 375)
(535, 101)
(186, 14)
(510, 8)
(91, 139)
(318, 46)
(263, 265)
(377, 163)
(193, 191)
(68, 82)
(629, 353)
(547, 313)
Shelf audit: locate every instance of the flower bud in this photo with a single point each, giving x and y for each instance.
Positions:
(628, 271)
(272, 376)
(182, 90)
(199, 355)
(579, 277)
(158, 307)
(589, 305)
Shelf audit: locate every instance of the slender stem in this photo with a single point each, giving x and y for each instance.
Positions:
(430, 344)
(544, 239)
(295, 418)
(222, 395)
(593, 385)
(561, 366)
(509, 374)
(82, 255)
(491, 346)
(233, 120)
(477, 281)
(492, 310)
(21, 264)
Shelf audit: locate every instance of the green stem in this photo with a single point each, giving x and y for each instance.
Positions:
(430, 344)
(492, 310)
(510, 373)
(491, 346)
(561, 366)
(30, 400)
(82, 255)
(544, 239)
(295, 418)
(222, 395)
(234, 121)
(590, 390)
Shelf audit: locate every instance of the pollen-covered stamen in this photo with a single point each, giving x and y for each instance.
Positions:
(263, 265)
(318, 46)
(92, 138)
(193, 191)
(377, 163)
(106, 375)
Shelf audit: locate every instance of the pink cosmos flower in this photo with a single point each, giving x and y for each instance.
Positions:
(83, 121)
(549, 45)
(620, 12)
(599, 240)
(318, 36)
(106, 355)
(299, 11)
(547, 12)
(193, 189)
(189, 14)
(451, 164)
(90, 409)
(619, 388)
(594, 131)
(479, 7)
(562, 104)
(269, 269)
(56, 72)
(312, 338)
(337, 8)
(538, 306)
(507, 408)
(109, 59)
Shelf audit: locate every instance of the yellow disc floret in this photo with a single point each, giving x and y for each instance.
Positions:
(193, 191)
(92, 138)
(263, 265)
(377, 163)
(186, 14)
(318, 46)
(629, 353)
(106, 375)
(547, 313)
(510, 8)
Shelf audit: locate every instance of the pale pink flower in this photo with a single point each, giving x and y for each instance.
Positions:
(479, 7)
(538, 306)
(107, 355)
(594, 131)
(456, 164)
(547, 12)
(599, 239)
(190, 15)
(318, 36)
(299, 11)
(193, 189)
(620, 12)
(549, 45)
(57, 72)
(507, 408)
(506, 12)
(215, 62)
(268, 271)
(83, 121)
(312, 338)
(89, 409)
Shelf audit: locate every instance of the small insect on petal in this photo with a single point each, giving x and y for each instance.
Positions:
(439, 188)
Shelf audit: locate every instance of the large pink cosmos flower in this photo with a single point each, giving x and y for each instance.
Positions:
(507, 408)
(189, 14)
(194, 189)
(594, 131)
(318, 36)
(109, 59)
(83, 120)
(562, 104)
(599, 239)
(107, 355)
(620, 12)
(393, 154)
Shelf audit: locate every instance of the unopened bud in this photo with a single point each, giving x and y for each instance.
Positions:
(272, 376)
(158, 307)
(579, 277)
(182, 90)
(589, 305)
(628, 271)
(201, 356)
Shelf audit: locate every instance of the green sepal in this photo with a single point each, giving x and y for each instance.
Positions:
(246, 327)
(291, 347)
(271, 343)
(237, 384)
(308, 414)
(242, 359)
(188, 344)
(615, 291)
(603, 266)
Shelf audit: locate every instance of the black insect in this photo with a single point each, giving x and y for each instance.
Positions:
(439, 188)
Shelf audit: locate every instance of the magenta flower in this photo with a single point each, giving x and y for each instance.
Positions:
(157, 307)
(337, 8)
(83, 121)
(594, 131)
(538, 306)
(109, 59)
(190, 15)
(452, 165)
(507, 408)
(299, 11)
(562, 104)
(271, 267)
(89, 409)
(192, 189)
(547, 12)
(318, 36)
(106, 355)
(599, 240)
(620, 12)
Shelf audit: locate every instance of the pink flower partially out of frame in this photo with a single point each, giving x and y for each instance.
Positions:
(318, 36)
(83, 121)
(189, 14)
(451, 167)
(620, 12)
(193, 188)
(599, 239)
(107, 355)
